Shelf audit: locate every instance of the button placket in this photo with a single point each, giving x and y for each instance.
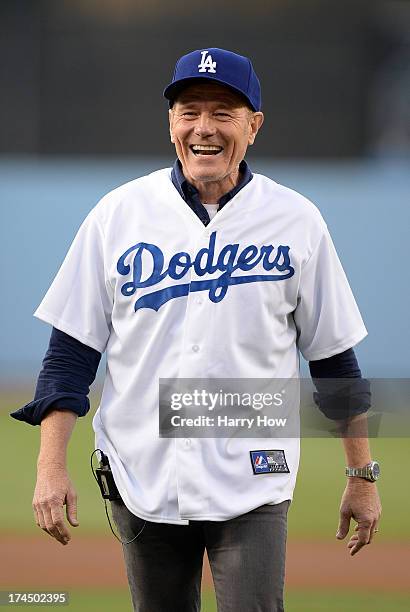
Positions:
(191, 364)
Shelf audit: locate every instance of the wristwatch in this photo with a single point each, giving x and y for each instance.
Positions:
(371, 471)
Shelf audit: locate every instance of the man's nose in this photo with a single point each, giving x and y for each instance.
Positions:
(204, 125)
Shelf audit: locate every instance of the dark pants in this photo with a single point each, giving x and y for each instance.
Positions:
(246, 555)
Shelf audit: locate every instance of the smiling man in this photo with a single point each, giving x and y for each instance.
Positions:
(200, 271)
(211, 127)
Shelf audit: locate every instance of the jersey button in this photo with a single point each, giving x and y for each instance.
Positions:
(187, 443)
(195, 348)
(199, 301)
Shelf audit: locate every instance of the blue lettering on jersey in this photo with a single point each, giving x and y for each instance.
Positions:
(206, 261)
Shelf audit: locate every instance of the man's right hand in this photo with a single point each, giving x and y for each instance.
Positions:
(54, 490)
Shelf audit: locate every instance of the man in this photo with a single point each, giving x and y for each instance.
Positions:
(202, 271)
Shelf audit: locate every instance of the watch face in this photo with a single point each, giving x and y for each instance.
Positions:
(375, 470)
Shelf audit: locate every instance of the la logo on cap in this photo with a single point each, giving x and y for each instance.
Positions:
(206, 65)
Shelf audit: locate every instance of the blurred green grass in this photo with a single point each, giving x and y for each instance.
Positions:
(295, 601)
(341, 601)
(313, 513)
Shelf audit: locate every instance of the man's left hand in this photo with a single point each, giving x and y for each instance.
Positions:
(361, 502)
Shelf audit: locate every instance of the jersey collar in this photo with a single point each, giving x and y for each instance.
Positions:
(190, 194)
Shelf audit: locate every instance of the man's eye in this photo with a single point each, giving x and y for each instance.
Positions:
(188, 114)
(221, 114)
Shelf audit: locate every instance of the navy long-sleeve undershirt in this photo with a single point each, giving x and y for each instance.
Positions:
(70, 367)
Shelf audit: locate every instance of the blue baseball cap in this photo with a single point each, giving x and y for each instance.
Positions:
(225, 67)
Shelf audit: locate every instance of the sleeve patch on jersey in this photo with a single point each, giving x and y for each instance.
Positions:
(269, 462)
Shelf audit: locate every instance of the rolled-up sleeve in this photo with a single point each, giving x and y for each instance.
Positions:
(341, 392)
(69, 369)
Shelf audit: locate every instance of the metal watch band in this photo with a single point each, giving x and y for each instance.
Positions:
(370, 472)
(362, 472)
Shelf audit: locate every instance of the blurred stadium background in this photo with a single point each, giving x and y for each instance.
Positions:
(81, 111)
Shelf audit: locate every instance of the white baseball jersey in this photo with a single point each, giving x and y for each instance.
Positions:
(165, 296)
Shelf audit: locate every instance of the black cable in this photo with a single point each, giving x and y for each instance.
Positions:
(106, 508)
(91, 462)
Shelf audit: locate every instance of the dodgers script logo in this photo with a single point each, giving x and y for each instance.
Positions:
(206, 65)
(206, 261)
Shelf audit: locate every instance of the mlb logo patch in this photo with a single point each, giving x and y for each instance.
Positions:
(269, 462)
(259, 462)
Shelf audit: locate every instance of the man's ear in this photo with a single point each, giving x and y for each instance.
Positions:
(171, 118)
(255, 124)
